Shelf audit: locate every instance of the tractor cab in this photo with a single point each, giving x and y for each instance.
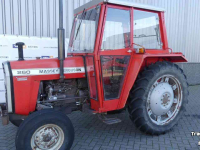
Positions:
(109, 35)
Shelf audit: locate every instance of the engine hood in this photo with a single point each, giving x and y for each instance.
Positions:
(73, 67)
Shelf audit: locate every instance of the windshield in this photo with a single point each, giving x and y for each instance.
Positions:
(83, 33)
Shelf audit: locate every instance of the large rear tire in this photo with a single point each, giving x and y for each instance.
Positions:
(45, 129)
(158, 98)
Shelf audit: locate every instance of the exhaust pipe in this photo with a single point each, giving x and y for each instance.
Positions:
(20, 50)
(61, 40)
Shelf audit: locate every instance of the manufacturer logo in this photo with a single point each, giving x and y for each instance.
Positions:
(4, 57)
(15, 46)
(46, 57)
(72, 70)
(29, 57)
(49, 71)
(26, 57)
(3, 45)
(32, 47)
(50, 47)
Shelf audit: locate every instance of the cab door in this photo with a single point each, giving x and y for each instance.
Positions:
(114, 54)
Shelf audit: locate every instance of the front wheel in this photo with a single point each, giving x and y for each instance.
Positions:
(158, 98)
(45, 129)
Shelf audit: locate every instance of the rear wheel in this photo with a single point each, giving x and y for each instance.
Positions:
(45, 129)
(158, 98)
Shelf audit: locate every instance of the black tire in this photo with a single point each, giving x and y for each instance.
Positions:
(137, 102)
(40, 118)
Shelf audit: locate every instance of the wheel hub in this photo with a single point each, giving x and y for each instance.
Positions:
(165, 99)
(161, 99)
(47, 137)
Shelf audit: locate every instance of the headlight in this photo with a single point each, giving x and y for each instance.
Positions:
(8, 86)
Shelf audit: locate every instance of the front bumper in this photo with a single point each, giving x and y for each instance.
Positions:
(4, 114)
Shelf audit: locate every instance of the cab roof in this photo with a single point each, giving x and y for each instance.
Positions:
(117, 2)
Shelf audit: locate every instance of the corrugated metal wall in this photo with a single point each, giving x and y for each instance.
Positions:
(40, 18)
(35, 17)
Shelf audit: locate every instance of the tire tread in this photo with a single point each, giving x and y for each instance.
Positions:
(134, 106)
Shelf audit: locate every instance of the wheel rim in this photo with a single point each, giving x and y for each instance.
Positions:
(49, 137)
(164, 100)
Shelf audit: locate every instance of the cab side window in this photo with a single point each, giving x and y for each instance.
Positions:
(117, 30)
(146, 30)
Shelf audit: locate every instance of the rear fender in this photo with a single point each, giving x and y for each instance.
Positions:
(137, 64)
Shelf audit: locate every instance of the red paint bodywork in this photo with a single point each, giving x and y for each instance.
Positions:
(26, 92)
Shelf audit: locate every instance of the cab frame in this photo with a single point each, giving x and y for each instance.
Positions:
(136, 62)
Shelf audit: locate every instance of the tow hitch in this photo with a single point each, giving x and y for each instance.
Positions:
(4, 115)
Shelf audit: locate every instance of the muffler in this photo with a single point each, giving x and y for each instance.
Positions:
(61, 40)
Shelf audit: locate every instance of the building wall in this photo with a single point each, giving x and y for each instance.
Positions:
(40, 18)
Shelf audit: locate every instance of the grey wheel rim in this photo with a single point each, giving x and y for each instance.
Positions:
(47, 137)
(164, 100)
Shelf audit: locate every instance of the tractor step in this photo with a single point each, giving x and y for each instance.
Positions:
(109, 121)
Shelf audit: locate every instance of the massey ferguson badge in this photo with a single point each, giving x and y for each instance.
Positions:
(50, 71)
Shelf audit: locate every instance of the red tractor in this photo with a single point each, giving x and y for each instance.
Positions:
(118, 57)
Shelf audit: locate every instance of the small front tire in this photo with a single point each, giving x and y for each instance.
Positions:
(45, 129)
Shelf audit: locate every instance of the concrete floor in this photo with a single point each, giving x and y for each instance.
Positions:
(91, 133)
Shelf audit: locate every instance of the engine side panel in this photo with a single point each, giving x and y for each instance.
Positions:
(28, 74)
(25, 95)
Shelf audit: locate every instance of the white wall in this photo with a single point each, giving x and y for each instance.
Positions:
(35, 47)
(40, 18)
